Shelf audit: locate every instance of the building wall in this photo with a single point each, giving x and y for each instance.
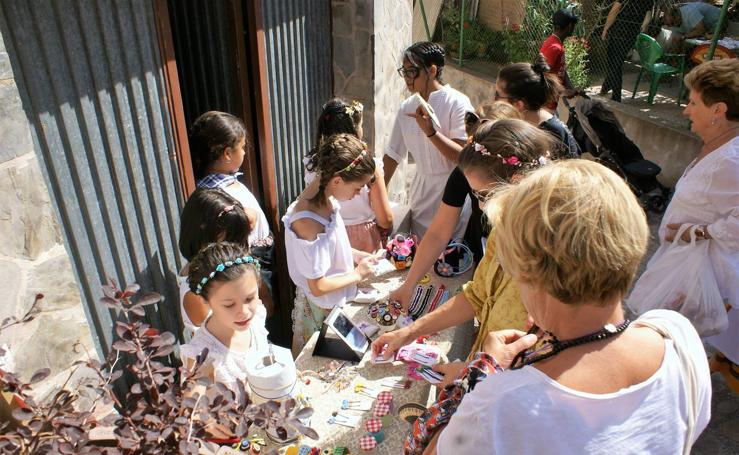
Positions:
(369, 37)
(32, 255)
(500, 14)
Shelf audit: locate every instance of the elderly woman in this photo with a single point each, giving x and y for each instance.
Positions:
(572, 235)
(707, 195)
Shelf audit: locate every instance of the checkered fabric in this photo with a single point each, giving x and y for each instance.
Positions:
(385, 397)
(373, 425)
(381, 409)
(218, 180)
(367, 443)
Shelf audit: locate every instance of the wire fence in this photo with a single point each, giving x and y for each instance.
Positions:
(486, 34)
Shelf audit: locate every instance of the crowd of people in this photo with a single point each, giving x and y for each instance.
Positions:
(557, 241)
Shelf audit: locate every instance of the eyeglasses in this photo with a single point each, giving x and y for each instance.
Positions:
(412, 72)
(498, 96)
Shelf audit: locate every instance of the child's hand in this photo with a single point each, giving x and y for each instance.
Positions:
(402, 295)
(364, 268)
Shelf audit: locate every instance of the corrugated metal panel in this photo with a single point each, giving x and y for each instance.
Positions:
(298, 51)
(89, 73)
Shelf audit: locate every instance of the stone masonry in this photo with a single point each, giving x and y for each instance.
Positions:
(32, 255)
(369, 37)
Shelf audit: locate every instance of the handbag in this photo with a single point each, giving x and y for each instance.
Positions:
(682, 279)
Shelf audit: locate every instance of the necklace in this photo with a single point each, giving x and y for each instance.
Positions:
(719, 136)
(554, 346)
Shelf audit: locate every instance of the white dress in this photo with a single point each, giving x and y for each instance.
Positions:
(241, 193)
(357, 210)
(526, 412)
(330, 254)
(708, 193)
(228, 366)
(432, 168)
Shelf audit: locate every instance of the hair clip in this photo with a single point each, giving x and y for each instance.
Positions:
(511, 160)
(223, 266)
(226, 209)
(481, 148)
(356, 161)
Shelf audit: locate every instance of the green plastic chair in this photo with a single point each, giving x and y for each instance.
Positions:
(650, 52)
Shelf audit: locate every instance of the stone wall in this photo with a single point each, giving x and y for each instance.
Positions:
(369, 37)
(32, 256)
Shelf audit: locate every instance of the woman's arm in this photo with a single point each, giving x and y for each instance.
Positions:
(612, 14)
(389, 166)
(434, 241)
(448, 147)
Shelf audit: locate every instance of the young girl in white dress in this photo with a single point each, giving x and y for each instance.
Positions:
(226, 278)
(320, 259)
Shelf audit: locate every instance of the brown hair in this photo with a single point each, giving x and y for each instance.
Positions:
(339, 155)
(502, 140)
(716, 81)
(209, 258)
(531, 83)
(337, 116)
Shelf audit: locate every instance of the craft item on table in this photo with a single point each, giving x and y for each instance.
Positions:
(396, 383)
(387, 421)
(373, 425)
(455, 260)
(347, 420)
(381, 409)
(368, 328)
(382, 267)
(420, 301)
(367, 443)
(356, 405)
(366, 391)
(401, 249)
(429, 374)
(272, 375)
(411, 411)
(385, 397)
(367, 296)
(304, 450)
(403, 321)
(426, 279)
(424, 354)
(385, 313)
(437, 298)
(340, 451)
(291, 450)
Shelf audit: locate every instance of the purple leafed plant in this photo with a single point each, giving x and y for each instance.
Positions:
(168, 409)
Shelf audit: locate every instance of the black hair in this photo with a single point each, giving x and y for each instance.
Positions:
(424, 54)
(210, 135)
(339, 155)
(213, 255)
(531, 83)
(562, 18)
(337, 116)
(209, 216)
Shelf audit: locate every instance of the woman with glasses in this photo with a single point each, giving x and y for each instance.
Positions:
(435, 149)
(530, 88)
(500, 151)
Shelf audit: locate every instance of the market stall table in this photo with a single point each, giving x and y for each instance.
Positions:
(326, 398)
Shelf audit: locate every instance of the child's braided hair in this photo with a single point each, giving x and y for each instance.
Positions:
(342, 155)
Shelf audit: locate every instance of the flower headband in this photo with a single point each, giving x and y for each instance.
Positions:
(224, 266)
(226, 209)
(353, 108)
(356, 161)
(512, 160)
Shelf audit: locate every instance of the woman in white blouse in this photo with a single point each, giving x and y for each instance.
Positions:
(572, 236)
(707, 194)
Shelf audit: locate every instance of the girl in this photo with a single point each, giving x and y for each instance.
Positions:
(367, 216)
(319, 257)
(209, 216)
(435, 149)
(226, 278)
(530, 88)
(217, 146)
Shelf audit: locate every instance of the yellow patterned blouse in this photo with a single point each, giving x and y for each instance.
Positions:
(494, 297)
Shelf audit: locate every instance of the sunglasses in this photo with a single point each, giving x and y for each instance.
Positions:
(411, 73)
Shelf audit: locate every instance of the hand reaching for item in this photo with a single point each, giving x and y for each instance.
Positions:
(450, 372)
(424, 121)
(504, 345)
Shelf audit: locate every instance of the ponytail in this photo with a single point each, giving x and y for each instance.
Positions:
(531, 83)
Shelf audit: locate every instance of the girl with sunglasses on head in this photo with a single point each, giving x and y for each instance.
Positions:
(530, 88)
(499, 152)
(435, 151)
(367, 216)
